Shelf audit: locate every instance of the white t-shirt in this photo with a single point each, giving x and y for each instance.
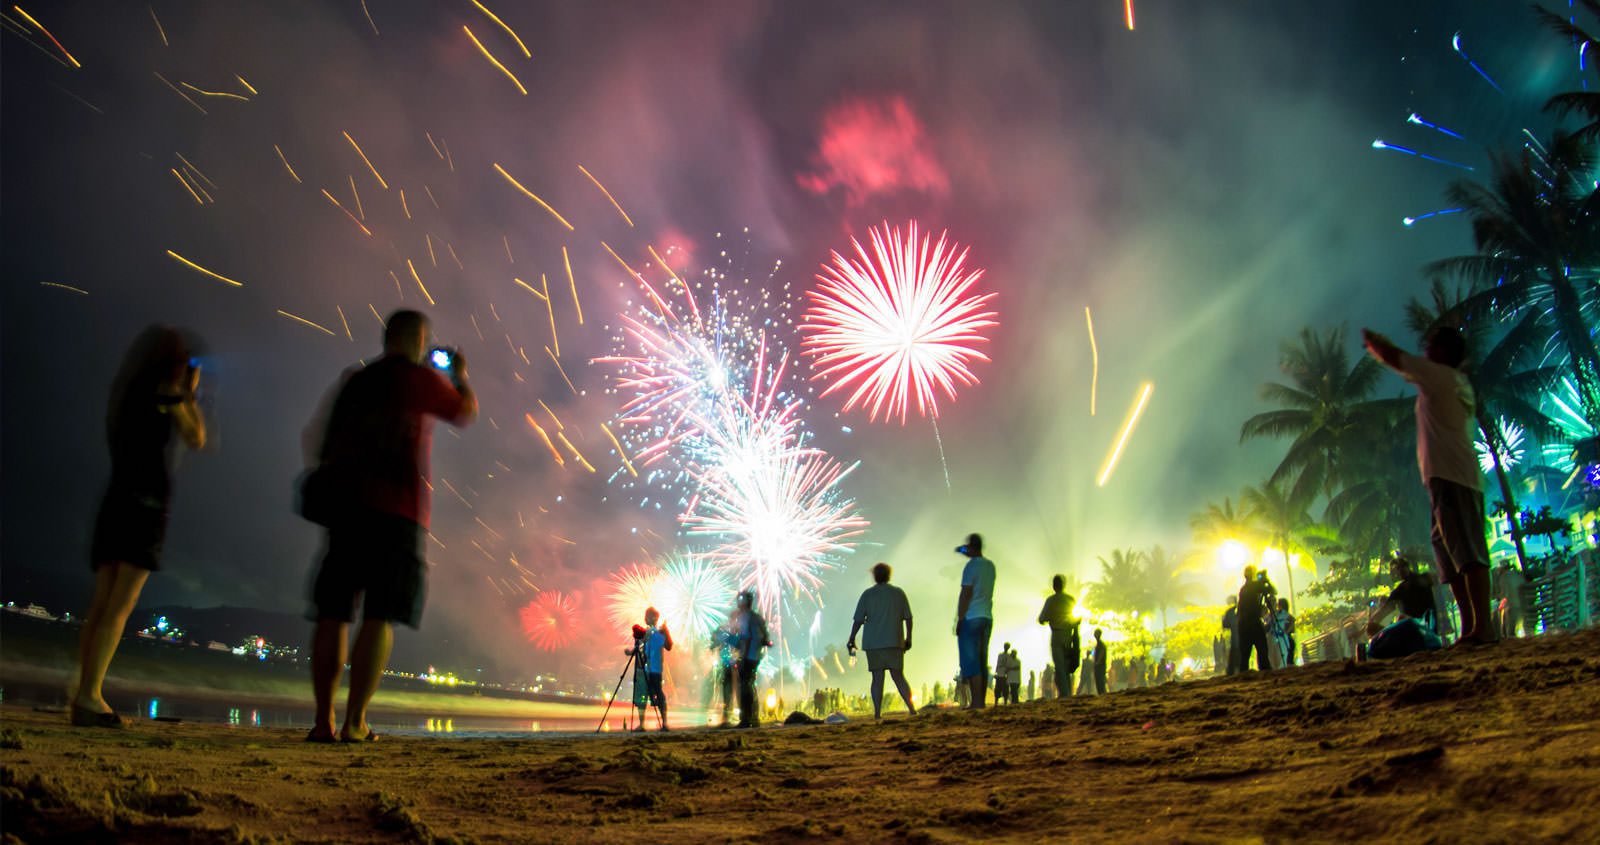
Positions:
(883, 611)
(979, 575)
(1446, 418)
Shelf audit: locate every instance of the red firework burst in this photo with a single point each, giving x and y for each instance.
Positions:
(897, 321)
(550, 621)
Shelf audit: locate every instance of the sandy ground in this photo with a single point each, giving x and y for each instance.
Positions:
(1496, 744)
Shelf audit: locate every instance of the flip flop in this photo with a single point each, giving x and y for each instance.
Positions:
(92, 719)
(318, 736)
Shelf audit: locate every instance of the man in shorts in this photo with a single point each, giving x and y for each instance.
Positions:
(885, 614)
(1446, 419)
(975, 619)
(376, 447)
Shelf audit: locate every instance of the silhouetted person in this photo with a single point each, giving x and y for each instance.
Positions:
(725, 642)
(1031, 682)
(152, 398)
(650, 651)
(975, 618)
(1254, 596)
(1002, 669)
(1064, 645)
(1013, 674)
(374, 453)
(751, 640)
(1446, 420)
(1230, 628)
(885, 613)
(1413, 599)
(1285, 623)
(1099, 663)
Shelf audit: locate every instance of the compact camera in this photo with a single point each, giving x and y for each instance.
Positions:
(442, 357)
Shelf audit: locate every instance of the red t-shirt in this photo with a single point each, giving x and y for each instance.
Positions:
(381, 432)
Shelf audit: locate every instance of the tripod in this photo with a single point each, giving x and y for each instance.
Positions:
(620, 678)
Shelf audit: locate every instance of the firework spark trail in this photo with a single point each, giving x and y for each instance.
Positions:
(896, 322)
(429, 191)
(531, 195)
(643, 283)
(621, 452)
(299, 319)
(86, 293)
(553, 418)
(432, 259)
(1380, 144)
(550, 621)
(179, 92)
(1419, 120)
(1127, 431)
(545, 436)
(509, 31)
(286, 165)
(575, 453)
(345, 323)
(204, 93)
(614, 203)
(1094, 355)
(353, 218)
(1127, 6)
(185, 184)
(190, 264)
(560, 369)
(360, 152)
(684, 286)
(160, 30)
(369, 19)
(423, 287)
(191, 167)
(572, 284)
(631, 590)
(1412, 221)
(555, 339)
(247, 86)
(494, 61)
(1455, 44)
(357, 194)
(29, 18)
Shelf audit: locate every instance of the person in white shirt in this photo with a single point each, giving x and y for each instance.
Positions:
(975, 619)
(1446, 418)
(885, 613)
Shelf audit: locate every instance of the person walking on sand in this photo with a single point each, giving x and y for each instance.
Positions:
(1086, 673)
(1255, 597)
(1013, 674)
(372, 494)
(883, 618)
(750, 645)
(1099, 664)
(975, 619)
(1446, 413)
(1064, 645)
(1001, 681)
(152, 399)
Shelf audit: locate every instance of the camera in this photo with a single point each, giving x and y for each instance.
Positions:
(961, 550)
(442, 357)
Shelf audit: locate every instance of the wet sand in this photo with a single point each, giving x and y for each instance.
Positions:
(1496, 744)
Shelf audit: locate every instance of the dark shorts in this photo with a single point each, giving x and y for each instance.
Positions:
(972, 645)
(1458, 538)
(129, 529)
(886, 659)
(374, 559)
(652, 685)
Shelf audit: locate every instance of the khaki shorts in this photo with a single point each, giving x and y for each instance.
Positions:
(884, 659)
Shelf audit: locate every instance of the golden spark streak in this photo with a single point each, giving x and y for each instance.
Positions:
(1094, 352)
(204, 93)
(424, 287)
(550, 309)
(625, 462)
(429, 191)
(218, 276)
(189, 164)
(687, 294)
(661, 306)
(431, 257)
(247, 86)
(561, 370)
(403, 206)
(397, 289)
(432, 144)
(345, 323)
(474, 318)
(16, 28)
(554, 452)
(185, 184)
(29, 19)
(179, 92)
(534, 197)
(494, 61)
(507, 241)
(375, 313)
(503, 26)
(297, 318)
(575, 453)
(160, 30)
(614, 203)
(450, 248)
(552, 414)
(346, 211)
(1127, 5)
(359, 210)
(364, 158)
(1127, 430)
(286, 166)
(449, 160)
(531, 289)
(565, 260)
(369, 19)
(64, 287)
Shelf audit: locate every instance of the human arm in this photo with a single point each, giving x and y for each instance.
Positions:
(177, 399)
(1382, 349)
(963, 602)
(854, 629)
(907, 646)
(1378, 614)
(451, 400)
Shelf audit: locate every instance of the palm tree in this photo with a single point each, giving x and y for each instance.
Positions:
(1283, 517)
(1122, 587)
(1586, 103)
(1218, 524)
(1165, 582)
(1323, 408)
(1536, 227)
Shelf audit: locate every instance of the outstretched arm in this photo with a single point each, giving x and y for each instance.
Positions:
(1382, 348)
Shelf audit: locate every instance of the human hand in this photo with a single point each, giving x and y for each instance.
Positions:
(192, 380)
(907, 646)
(458, 366)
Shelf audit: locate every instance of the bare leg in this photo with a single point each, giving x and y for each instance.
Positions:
(978, 690)
(117, 587)
(328, 644)
(371, 655)
(1477, 582)
(1469, 622)
(877, 693)
(900, 684)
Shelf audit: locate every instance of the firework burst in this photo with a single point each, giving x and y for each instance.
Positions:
(693, 595)
(550, 621)
(629, 592)
(897, 322)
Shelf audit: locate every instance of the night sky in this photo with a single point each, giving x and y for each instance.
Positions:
(1205, 183)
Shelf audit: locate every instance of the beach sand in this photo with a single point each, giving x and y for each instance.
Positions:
(1493, 744)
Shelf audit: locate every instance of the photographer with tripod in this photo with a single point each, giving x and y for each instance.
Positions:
(650, 645)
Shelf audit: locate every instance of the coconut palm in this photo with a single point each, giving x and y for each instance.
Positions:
(1323, 408)
(1586, 102)
(1122, 587)
(1286, 521)
(1221, 523)
(1165, 582)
